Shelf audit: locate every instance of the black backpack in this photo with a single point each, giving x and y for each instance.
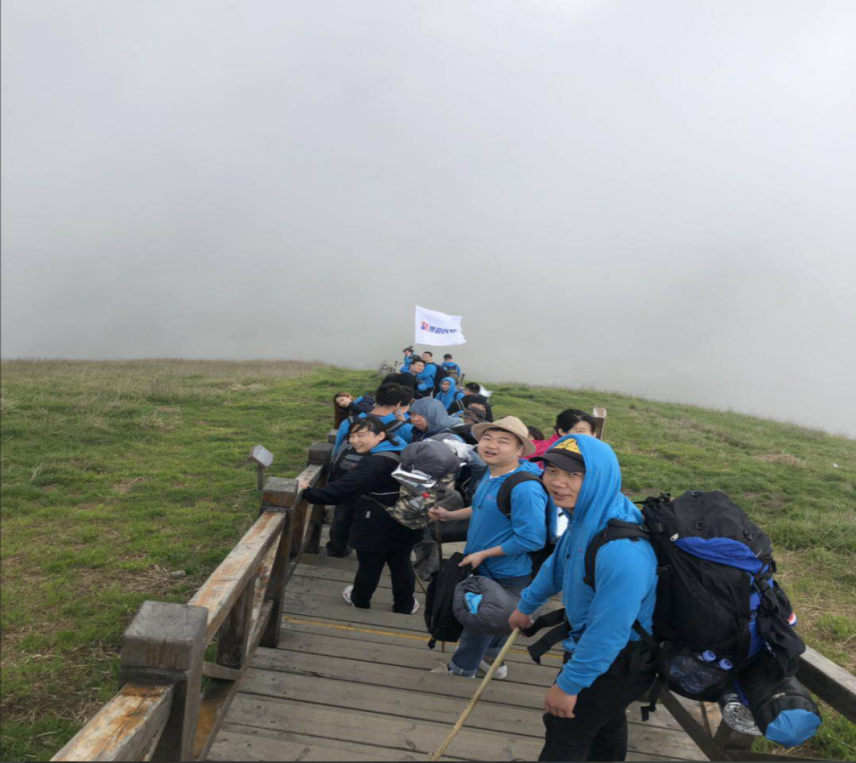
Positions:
(717, 603)
(503, 501)
(440, 617)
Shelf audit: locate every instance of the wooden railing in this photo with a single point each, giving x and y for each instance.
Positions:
(162, 710)
(162, 713)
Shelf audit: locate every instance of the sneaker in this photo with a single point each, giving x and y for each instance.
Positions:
(443, 669)
(415, 607)
(346, 595)
(500, 674)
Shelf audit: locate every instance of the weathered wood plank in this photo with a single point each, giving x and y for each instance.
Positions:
(219, 593)
(213, 670)
(335, 608)
(404, 656)
(684, 712)
(245, 747)
(418, 736)
(832, 683)
(334, 744)
(489, 714)
(125, 728)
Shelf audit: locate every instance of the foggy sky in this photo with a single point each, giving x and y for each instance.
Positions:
(657, 197)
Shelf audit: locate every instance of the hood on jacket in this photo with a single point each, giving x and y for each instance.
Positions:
(600, 497)
(386, 445)
(435, 413)
(447, 398)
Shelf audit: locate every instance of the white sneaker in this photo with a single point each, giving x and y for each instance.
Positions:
(500, 674)
(415, 606)
(346, 595)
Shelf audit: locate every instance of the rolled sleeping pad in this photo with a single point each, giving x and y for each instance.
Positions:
(484, 606)
(782, 707)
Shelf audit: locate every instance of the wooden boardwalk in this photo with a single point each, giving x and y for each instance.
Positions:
(353, 684)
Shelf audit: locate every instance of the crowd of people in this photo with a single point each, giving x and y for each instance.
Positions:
(607, 665)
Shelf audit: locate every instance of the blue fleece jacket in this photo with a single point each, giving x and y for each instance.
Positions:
(404, 432)
(408, 359)
(625, 572)
(450, 366)
(425, 380)
(525, 531)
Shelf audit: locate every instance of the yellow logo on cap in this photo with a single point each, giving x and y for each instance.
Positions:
(569, 444)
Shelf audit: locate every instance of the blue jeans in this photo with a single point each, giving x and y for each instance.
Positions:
(474, 647)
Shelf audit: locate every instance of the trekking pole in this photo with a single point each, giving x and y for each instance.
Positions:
(477, 696)
(437, 525)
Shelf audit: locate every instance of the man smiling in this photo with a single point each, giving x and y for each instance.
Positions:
(498, 545)
(608, 665)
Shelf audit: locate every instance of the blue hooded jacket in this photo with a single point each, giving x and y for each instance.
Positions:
(524, 531)
(447, 398)
(408, 359)
(404, 432)
(425, 380)
(625, 571)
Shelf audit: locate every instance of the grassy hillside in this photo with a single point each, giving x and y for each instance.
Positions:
(114, 475)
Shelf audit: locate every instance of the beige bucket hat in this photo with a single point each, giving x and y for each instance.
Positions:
(509, 424)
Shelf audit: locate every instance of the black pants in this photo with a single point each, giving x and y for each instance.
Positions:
(598, 730)
(340, 529)
(368, 577)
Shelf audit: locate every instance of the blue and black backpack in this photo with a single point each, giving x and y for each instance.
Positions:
(719, 615)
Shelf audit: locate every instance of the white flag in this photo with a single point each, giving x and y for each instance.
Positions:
(437, 329)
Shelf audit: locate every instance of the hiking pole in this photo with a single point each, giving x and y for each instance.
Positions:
(437, 525)
(477, 696)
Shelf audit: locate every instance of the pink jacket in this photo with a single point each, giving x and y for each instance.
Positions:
(542, 446)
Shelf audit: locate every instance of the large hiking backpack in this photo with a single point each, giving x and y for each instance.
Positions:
(503, 502)
(441, 374)
(717, 603)
(363, 404)
(440, 617)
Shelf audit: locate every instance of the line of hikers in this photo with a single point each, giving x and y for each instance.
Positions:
(566, 493)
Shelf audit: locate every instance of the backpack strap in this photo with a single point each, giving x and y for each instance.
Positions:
(615, 529)
(559, 627)
(389, 454)
(503, 499)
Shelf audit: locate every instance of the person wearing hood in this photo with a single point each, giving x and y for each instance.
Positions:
(448, 393)
(429, 418)
(608, 664)
(377, 538)
(498, 545)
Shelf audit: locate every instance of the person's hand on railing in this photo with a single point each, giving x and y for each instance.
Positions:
(302, 485)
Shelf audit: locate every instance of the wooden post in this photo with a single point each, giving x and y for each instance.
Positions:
(319, 453)
(233, 644)
(163, 645)
(279, 495)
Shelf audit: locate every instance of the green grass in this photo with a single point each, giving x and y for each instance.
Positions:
(116, 474)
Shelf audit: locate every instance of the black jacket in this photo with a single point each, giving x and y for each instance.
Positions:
(373, 528)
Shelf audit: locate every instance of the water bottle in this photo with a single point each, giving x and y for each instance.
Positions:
(725, 664)
(708, 656)
(689, 674)
(737, 715)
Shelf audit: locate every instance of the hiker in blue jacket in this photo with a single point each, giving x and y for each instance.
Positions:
(409, 355)
(448, 393)
(450, 365)
(424, 376)
(391, 404)
(608, 665)
(498, 546)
